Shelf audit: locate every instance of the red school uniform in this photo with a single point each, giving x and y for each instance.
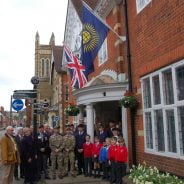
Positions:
(87, 149)
(112, 152)
(121, 154)
(96, 149)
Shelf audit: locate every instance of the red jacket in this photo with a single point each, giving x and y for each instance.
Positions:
(112, 152)
(121, 154)
(96, 149)
(87, 150)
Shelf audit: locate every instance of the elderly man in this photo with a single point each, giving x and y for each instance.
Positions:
(9, 155)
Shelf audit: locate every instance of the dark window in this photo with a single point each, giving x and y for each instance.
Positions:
(168, 87)
(149, 134)
(180, 82)
(156, 90)
(171, 132)
(147, 93)
(159, 130)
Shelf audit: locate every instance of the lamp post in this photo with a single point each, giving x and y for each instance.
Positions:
(35, 82)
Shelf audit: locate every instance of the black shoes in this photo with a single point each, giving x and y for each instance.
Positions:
(47, 178)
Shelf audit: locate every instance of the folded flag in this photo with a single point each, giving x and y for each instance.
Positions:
(76, 69)
(93, 35)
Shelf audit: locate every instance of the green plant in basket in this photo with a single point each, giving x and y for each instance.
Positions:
(129, 102)
(72, 110)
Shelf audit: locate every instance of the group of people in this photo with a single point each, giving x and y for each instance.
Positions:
(106, 157)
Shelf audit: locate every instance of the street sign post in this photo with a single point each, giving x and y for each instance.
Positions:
(24, 94)
(17, 105)
(35, 82)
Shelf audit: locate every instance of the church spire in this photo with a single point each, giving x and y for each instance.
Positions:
(52, 40)
(37, 39)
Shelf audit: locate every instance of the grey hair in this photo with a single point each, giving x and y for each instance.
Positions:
(8, 128)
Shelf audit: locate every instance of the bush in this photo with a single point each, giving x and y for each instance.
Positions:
(143, 174)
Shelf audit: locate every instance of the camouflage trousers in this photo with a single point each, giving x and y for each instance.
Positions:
(69, 157)
(57, 161)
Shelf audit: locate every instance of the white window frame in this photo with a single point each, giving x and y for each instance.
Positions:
(163, 107)
(101, 53)
(140, 6)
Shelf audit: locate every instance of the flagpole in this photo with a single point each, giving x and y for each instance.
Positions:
(122, 38)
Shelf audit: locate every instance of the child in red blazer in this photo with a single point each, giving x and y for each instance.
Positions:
(95, 152)
(87, 147)
(111, 158)
(121, 157)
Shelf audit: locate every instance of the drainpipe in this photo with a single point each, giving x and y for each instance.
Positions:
(130, 88)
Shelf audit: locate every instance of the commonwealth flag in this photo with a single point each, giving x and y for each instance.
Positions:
(93, 35)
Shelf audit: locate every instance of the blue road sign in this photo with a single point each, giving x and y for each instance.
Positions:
(17, 105)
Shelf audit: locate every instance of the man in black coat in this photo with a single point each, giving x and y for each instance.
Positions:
(80, 137)
(43, 151)
(29, 157)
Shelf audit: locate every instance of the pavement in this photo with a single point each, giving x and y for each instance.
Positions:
(70, 180)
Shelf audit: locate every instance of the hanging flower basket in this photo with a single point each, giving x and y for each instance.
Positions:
(129, 101)
(72, 110)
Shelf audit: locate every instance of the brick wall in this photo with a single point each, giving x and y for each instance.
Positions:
(157, 40)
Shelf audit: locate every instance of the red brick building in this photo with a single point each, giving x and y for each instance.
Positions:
(157, 56)
(155, 48)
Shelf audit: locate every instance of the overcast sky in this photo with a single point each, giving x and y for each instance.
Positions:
(19, 21)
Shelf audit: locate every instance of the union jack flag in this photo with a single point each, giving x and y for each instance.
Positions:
(77, 70)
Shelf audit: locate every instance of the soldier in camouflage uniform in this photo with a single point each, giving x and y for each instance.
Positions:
(56, 146)
(69, 155)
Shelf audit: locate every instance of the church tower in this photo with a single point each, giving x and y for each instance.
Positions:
(43, 54)
(37, 44)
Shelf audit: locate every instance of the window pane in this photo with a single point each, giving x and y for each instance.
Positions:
(141, 4)
(47, 68)
(156, 90)
(181, 128)
(168, 87)
(149, 133)
(146, 93)
(171, 134)
(102, 54)
(159, 130)
(43, 71)
(180, 82)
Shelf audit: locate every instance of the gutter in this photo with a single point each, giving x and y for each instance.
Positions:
(130, 88)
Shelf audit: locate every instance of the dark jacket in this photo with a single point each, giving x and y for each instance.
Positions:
(18, 142)
(28, 148)
(102, 136)
(43, 142)
(80, 140)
